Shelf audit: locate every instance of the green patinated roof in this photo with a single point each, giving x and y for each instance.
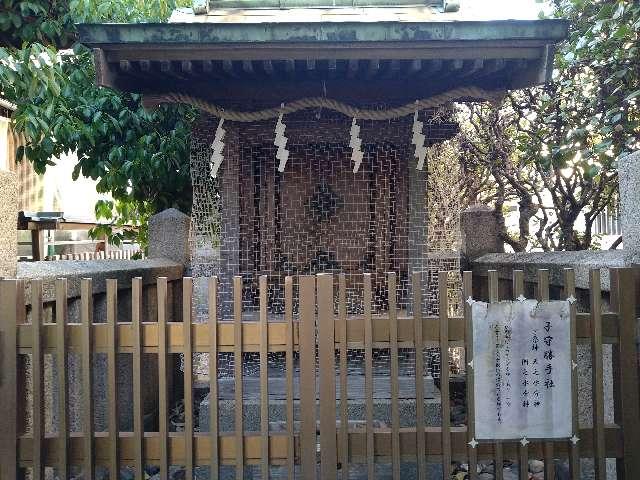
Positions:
(387, 27)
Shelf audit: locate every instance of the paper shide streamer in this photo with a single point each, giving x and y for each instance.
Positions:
(356, 146)
(280, 141)
(355, 142)
(217, 146)
(418, 140)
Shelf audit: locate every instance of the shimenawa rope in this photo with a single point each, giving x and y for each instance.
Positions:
(475, 93)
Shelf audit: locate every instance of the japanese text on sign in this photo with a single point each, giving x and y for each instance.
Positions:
(522, 369)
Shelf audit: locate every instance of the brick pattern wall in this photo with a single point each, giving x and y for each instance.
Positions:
(317, 215)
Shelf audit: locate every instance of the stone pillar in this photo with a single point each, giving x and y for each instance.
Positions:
(169, 236)
(417, 232)
(629, 181)
(8, 224)
(479, 232)
(229, 260)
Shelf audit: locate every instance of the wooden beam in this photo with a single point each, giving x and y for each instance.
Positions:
(277, 334)
(471, 67)
(393, 68)
(311, 68)
(290, 67)
(427, 50)
(492, 66)
(332, 68)
(352, 67)
(278, 446)
(247, 67)
(104, 74)
(207, 66)
(37, 245)
(186, 66)
(206, 70)
(267, 66)
(167, 68)
(124, 65)
(519, 63)
(227, 68)
(454, 65)
(373, 68)
(429, 67)
(414, 66)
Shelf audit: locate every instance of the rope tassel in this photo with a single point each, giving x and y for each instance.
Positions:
(217, 146)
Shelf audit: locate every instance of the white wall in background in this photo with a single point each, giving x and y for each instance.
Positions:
(75, 198)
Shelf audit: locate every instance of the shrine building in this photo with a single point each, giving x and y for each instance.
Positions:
(318, 120)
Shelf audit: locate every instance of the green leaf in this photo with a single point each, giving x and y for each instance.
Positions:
(632, 95)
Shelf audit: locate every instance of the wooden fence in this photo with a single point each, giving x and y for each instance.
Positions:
(316, 331)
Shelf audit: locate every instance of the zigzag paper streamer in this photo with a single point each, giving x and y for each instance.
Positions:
(217, 146)
(418, 140)
(281, 142)
(356, 146)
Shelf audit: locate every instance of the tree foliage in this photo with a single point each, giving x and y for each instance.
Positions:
(139, 157)
(51, 22)
(44, 22)
(553, 149)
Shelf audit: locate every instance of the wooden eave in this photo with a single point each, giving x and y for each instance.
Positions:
(356, 60)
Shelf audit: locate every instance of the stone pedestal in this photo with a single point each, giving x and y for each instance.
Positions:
(479, 232)
(629, 179)
(169, 236)
(8, 224)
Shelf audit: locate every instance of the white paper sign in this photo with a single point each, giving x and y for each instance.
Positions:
(522, 370)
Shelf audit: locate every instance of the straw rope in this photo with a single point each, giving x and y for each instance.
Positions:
(474, 93)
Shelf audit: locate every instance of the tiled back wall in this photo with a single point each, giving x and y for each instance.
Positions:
(317, 215)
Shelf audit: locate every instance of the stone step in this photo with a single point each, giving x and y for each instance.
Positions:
(355, 388)
(278, 414)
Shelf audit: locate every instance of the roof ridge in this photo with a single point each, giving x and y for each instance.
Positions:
(201, 7)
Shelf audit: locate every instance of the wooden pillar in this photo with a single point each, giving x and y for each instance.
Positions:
(37, 244)
(11, 292)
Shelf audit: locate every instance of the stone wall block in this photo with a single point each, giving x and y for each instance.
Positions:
(99, 271)
(479, 232)
(629, 181)
(8, 224)
(169, 236)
